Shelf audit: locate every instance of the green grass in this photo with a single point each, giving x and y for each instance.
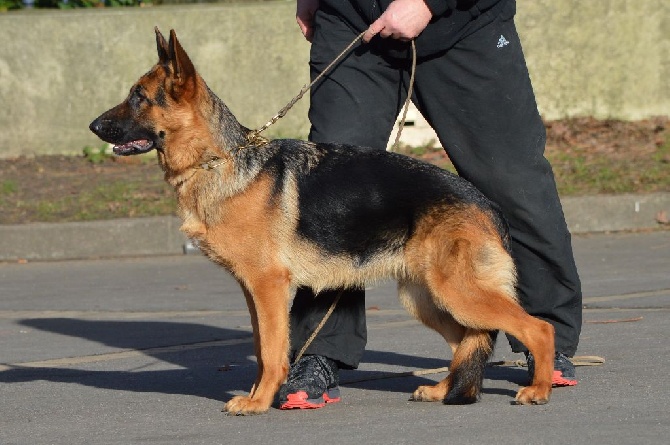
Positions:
(112, 200)
(579, 173)
(8, 187)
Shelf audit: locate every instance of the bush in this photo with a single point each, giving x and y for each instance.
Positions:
(66, 4)
(10, 4)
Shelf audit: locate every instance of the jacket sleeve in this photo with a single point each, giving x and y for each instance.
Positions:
(439, 7)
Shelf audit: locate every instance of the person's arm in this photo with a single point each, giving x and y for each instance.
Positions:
(304, 15)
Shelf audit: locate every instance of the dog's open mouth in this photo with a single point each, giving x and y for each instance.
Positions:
(136, 147)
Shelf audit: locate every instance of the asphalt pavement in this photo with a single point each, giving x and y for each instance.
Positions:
(148, 349)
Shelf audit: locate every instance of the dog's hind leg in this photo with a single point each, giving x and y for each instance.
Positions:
(418, 302)
(471, 349)
(466, 373)
(472, 278)
(269, 297)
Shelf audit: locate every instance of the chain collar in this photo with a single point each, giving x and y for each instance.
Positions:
(253, 140)
(213, 163)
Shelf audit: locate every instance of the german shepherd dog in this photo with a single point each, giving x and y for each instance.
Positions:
(287, 213)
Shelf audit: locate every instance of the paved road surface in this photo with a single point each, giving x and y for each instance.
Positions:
(147, 351)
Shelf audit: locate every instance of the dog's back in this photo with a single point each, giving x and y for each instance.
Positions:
(362, 201)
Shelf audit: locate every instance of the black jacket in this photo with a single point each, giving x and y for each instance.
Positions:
(452, 20)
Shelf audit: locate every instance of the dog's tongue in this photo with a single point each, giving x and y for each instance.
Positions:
(133, 147)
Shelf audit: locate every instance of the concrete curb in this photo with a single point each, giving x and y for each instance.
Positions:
(161, 236)
(95, 239)
(609, 213)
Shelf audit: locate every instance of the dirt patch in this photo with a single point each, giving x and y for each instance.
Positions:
(589, 156)
(72, 188)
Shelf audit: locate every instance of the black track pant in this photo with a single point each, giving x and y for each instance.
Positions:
(479, 99)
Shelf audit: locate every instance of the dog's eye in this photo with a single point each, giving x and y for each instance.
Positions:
(139, 96)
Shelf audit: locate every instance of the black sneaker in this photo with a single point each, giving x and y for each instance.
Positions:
(311, 383)
(564, 370)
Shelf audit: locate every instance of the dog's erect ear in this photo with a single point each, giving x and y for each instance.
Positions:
(183, 71)
(162, 46)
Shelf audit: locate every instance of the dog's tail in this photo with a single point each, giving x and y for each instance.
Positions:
(502, 227)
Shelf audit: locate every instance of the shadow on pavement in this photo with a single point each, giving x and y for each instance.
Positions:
(215, 372)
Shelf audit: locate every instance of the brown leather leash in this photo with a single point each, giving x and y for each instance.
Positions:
(254, 138)
(316, 331)
(584, 360)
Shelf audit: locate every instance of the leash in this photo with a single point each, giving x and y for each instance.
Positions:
(323, 321)
(407, 100)
(578, 360)
(585, 360)
(256, 133)
(254, 137)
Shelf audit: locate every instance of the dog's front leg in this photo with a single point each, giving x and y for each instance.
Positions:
(267, 298)
(257, 344)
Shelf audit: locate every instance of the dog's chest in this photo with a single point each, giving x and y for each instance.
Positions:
(239, 229)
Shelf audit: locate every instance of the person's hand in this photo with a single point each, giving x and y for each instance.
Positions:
(304, 15)
(403, 20)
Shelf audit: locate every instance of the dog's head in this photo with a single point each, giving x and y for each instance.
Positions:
(142, 122)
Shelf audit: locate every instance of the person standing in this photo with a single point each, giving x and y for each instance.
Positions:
(473, 88)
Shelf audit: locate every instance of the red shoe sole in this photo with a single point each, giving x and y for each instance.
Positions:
(299, 400)
(558, 380)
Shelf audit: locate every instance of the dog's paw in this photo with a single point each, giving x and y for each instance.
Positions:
(428, 393)
(533, 395)
(244, 406)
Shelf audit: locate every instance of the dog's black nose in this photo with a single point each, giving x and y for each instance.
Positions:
(95, 126)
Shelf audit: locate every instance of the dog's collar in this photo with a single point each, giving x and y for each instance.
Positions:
(213, 163)
(253, 140)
